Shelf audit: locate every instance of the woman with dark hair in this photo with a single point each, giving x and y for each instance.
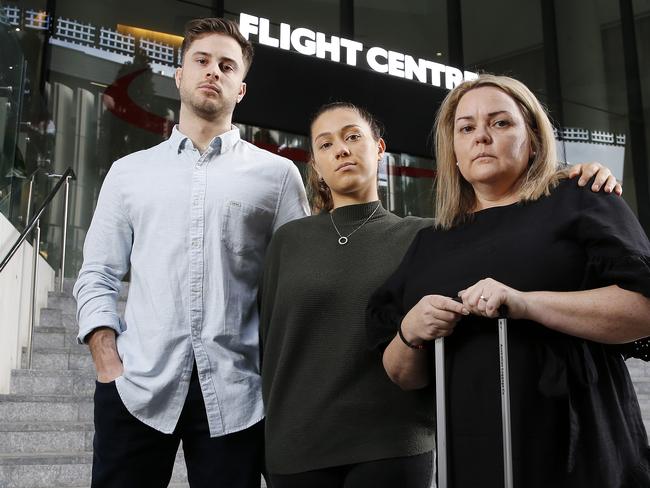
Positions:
(333, 417)
(572, 269)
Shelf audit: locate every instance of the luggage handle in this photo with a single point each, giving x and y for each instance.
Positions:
(441, 407)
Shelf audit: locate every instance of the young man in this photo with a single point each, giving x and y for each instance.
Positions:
(191, 219)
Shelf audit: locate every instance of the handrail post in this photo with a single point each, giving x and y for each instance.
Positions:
(37, 215)
(64, 238)
(29, 198)
(32, 314)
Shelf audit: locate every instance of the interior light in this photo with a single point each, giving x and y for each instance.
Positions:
(140, 33)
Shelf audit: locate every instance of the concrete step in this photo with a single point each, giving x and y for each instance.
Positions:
(46, 382)
(641, 385)
(55, 336)
(644, 403)
(62, 301)
(68, 284)
(54, 408)
(60, 358)
(170, 485)
(36, 437)
(43, 470)
(61, 470)
(638, 368)
(27, 459)
(51, 336)
(55, 317)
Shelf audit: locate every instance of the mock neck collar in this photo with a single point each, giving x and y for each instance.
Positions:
(351, 214)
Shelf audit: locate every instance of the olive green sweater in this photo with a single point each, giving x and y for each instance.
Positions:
(328, 399)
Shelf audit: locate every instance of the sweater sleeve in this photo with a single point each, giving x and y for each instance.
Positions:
(386, 308)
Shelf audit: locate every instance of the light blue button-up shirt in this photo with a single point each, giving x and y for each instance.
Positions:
(193, 229)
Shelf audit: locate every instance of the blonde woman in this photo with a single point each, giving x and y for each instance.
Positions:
(573, 269)
(333, 417)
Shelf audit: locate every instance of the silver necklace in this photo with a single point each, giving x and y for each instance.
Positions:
(343, 240)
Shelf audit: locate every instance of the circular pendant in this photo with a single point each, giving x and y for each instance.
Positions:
(343, 240)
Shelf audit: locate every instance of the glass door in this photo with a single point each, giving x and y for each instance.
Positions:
(13, 173)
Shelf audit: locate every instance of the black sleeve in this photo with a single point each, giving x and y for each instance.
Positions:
(617, 247)
(385, 309)
(618, 253)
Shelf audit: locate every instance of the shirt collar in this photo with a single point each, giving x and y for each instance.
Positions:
(220, 144)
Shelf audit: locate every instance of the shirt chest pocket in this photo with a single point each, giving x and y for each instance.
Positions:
(245, 228)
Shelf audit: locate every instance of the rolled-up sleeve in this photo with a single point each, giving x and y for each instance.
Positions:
(107, 251)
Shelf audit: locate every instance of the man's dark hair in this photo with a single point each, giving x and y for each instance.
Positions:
(198, 28)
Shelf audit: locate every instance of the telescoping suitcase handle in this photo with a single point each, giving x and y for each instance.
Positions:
(505, 397)
(441, 406)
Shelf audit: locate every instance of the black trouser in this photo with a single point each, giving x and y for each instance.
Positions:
(401, 472)
(128, 453)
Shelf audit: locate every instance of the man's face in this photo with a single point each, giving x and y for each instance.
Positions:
(211, 80)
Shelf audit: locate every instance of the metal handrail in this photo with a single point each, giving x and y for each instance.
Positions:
(64, 178)
(35, 223)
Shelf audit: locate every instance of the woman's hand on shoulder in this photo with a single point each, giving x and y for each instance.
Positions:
(486, 296)
(432, 317)
(604, 177)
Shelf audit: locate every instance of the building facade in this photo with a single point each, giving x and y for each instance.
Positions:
(84, 83)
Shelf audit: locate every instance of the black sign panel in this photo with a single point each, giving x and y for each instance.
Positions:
(285, 88)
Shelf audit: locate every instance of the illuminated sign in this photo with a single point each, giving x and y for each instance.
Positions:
(341, 50)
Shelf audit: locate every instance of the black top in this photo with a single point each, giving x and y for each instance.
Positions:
(576, 421)
(327, 397)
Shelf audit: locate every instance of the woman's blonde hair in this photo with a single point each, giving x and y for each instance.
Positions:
(455, 197)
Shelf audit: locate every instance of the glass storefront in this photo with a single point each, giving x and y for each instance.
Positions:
(13, 172)
(85, 84)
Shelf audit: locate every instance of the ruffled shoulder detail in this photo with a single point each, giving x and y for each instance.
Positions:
(631, 272)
